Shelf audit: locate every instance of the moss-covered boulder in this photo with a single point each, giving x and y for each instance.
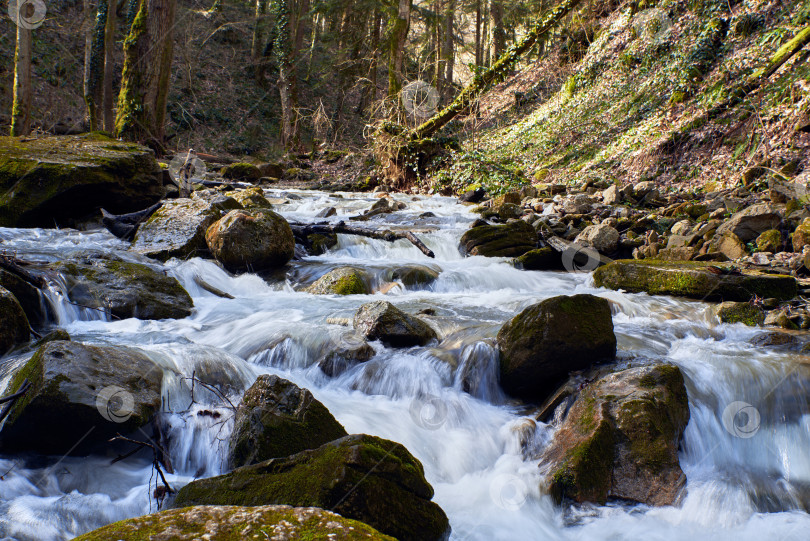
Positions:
(342, 281)
(80, 397)
(510, 240)
(381, 320)
(546, 341)
(276, 418)
(541, 259)
(770, 241)
(697, 280)
(365, 478)
(740, 312)
(748, 224)
(252, 198)
(251, 239)
(413, 275)
(14, 327)
(177, 229)
(123, 288)
(801, 237)
(229, 523)
(241, 171)
(620, 440)
(56, 180)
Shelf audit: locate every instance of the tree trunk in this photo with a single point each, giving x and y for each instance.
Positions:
(449, 52)
(259, 24)
(436, 50)
(21, 108)
(370, 88)
(287, 84)
(498, 30)
(146, 77)
(398, 36)
(94, 89)
(109, 69)
(495, 74)
(479, 53)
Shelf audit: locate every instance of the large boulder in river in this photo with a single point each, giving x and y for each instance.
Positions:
(226, 523)
(14, 328)
(361, 477)
(381, 320)
(748, 224)
(342, 281)
(620, 440)
(80, 396)
(251, 239)
(276, 418)
(177, 229)
(546, 341)
(510, 240)
(124, 289)
(706, 281)
(56, 180)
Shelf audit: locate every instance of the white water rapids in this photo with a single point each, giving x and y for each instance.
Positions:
(442, 402)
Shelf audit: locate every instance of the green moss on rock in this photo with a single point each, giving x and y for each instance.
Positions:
(361, 477)
(241, 171)
(232, 523)
(342, 281)
(741, 312)
(693, 279)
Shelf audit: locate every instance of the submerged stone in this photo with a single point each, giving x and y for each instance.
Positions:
(381, 320)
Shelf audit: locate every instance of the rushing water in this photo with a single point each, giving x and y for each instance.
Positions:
(749, 481)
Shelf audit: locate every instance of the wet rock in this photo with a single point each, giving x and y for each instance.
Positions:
(740, 312)
(602, 237)
(540, 259)
(81, 395)
(350, 352)
(779, 339)
(251, 239)
(252, 198)
(56, 180)
(542, 344)
(510, 240)
(14, 328)
(276, 418)
(770, 241)
(177, 229)
(320, 243)
(342, 281)
(620, 440)
(473, 196)
(361, 477)
(124, 289)
(225, 523)
(327, 213)
(36, 309)
(241, 171)
(752, 222)
(414, 275)
(381, 320)
(780, 318)
(801, 237)
(693, 279)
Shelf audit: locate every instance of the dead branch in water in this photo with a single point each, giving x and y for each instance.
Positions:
(303, 230)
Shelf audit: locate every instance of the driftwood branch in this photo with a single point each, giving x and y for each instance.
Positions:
(303, 230)
(124, 226)
(11, 399)
(14, 266)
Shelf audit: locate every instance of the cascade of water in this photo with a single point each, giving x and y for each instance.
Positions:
(744, 450)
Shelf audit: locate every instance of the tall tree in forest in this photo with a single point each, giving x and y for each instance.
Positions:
(21, 108)
(94, 83)
(498, 28)
(145, 80)
(287, 80)
(109, 68)
(448, 48)
(398, 28)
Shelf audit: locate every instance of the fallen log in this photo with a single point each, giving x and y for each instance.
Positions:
(124, 226)
(303, 230)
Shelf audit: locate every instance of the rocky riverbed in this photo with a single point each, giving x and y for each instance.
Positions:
(562, 367)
